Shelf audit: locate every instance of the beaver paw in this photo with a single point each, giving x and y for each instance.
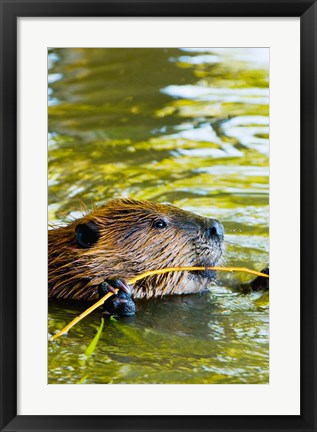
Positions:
(120, 304)
(261, 283)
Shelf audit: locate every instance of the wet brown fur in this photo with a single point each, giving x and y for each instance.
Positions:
(129, 245)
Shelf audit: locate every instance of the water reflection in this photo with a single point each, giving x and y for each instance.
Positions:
(187, 126)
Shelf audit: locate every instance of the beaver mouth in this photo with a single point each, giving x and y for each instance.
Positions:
(207, 274)
(204, 274)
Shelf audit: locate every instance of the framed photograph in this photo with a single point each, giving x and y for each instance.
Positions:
(178, 138)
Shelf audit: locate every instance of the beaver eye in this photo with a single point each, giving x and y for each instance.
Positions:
(86, 234)
(159, 224)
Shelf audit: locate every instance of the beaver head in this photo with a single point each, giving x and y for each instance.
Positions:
(125, 238)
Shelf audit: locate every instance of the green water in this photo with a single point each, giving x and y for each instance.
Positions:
(189, 127)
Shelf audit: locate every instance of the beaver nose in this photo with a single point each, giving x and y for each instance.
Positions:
(215, 229)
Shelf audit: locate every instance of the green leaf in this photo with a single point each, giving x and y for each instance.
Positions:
(92, 346)
(83, 379)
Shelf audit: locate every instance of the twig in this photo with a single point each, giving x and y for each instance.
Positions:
(152, 273)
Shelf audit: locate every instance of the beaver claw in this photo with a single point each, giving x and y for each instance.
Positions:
(121, 304)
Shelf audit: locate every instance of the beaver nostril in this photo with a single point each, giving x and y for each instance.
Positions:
(215, 229)
(212, 231)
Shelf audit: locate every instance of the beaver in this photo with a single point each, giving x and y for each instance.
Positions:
(124, 238)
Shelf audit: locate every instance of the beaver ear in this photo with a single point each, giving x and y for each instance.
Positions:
(86, 234)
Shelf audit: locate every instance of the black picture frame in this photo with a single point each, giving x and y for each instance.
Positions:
(10, 11)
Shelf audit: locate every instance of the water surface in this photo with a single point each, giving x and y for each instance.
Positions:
(185, 126)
